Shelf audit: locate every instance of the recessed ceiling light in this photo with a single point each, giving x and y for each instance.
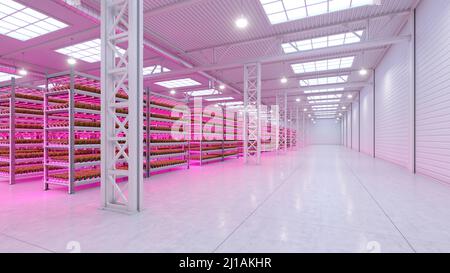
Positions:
(22, 72)
(173, 92)
(284, 80)
(222, 87)
(350, 96)
(298, 100)
(23, 23)
(71, 61)
(241, 22)
(363, 72)
(305, 110)
(344, 108)
(340, 114)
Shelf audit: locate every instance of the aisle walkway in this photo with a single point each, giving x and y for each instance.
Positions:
(321, 199)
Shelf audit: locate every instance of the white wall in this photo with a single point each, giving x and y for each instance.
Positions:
(433, 89)
(355, 125)
(325, 132)
(392, 105)
(367, 120)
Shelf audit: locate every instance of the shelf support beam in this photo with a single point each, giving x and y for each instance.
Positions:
(122, 183)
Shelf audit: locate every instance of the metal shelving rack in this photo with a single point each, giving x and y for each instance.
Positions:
(21, 132)
(203, 150)
(231, 144)
(164, 153)
(72, 131)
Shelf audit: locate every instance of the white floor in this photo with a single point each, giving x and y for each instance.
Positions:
(321, 199)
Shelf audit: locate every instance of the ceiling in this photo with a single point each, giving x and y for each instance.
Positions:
(202, 33)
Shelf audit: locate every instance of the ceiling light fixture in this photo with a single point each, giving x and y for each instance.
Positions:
(22, 72)
(241, 22)
(284, 80)
(344, 108)
(350, 96)
(298, 100)
(222, 87)
(173, 92)
(71, 61)
(363, 72)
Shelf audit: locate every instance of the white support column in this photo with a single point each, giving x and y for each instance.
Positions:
(122, 137)
(412, 133)
(252, 114)
(285, 106)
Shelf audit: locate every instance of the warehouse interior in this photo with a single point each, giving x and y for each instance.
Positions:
(338, 138)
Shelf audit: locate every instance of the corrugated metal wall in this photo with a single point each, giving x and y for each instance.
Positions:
(392, 107)
(367, 120)
(355, 127)
(433, 89)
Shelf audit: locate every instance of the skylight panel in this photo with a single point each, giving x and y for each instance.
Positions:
(281, 11)
(325, 109)
(179, 83)
(324, 101)
(323, 42)
(325, 106)
(323, 90)
(220, 99)
(323, 65)
(155, 69)
(200, 93)
(326, 117)
(7, 76)
(233, 103)
(89, 51)
(325, 97)
(328, 113)
(22, 23)
(323, 81)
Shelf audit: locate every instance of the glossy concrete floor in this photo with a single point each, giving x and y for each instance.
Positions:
(320, 199)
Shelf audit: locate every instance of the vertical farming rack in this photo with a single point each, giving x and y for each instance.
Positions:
(214, 137)
(166, 151)
(72, 130)
(232, 134)
(21, 131)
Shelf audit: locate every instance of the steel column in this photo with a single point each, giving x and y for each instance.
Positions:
(252, 113)
(122, 137)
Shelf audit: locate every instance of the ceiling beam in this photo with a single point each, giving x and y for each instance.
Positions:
(303, 96)
(94, 14)
(344, 49)
(319, 87)
(282, 36)
(311, 75)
